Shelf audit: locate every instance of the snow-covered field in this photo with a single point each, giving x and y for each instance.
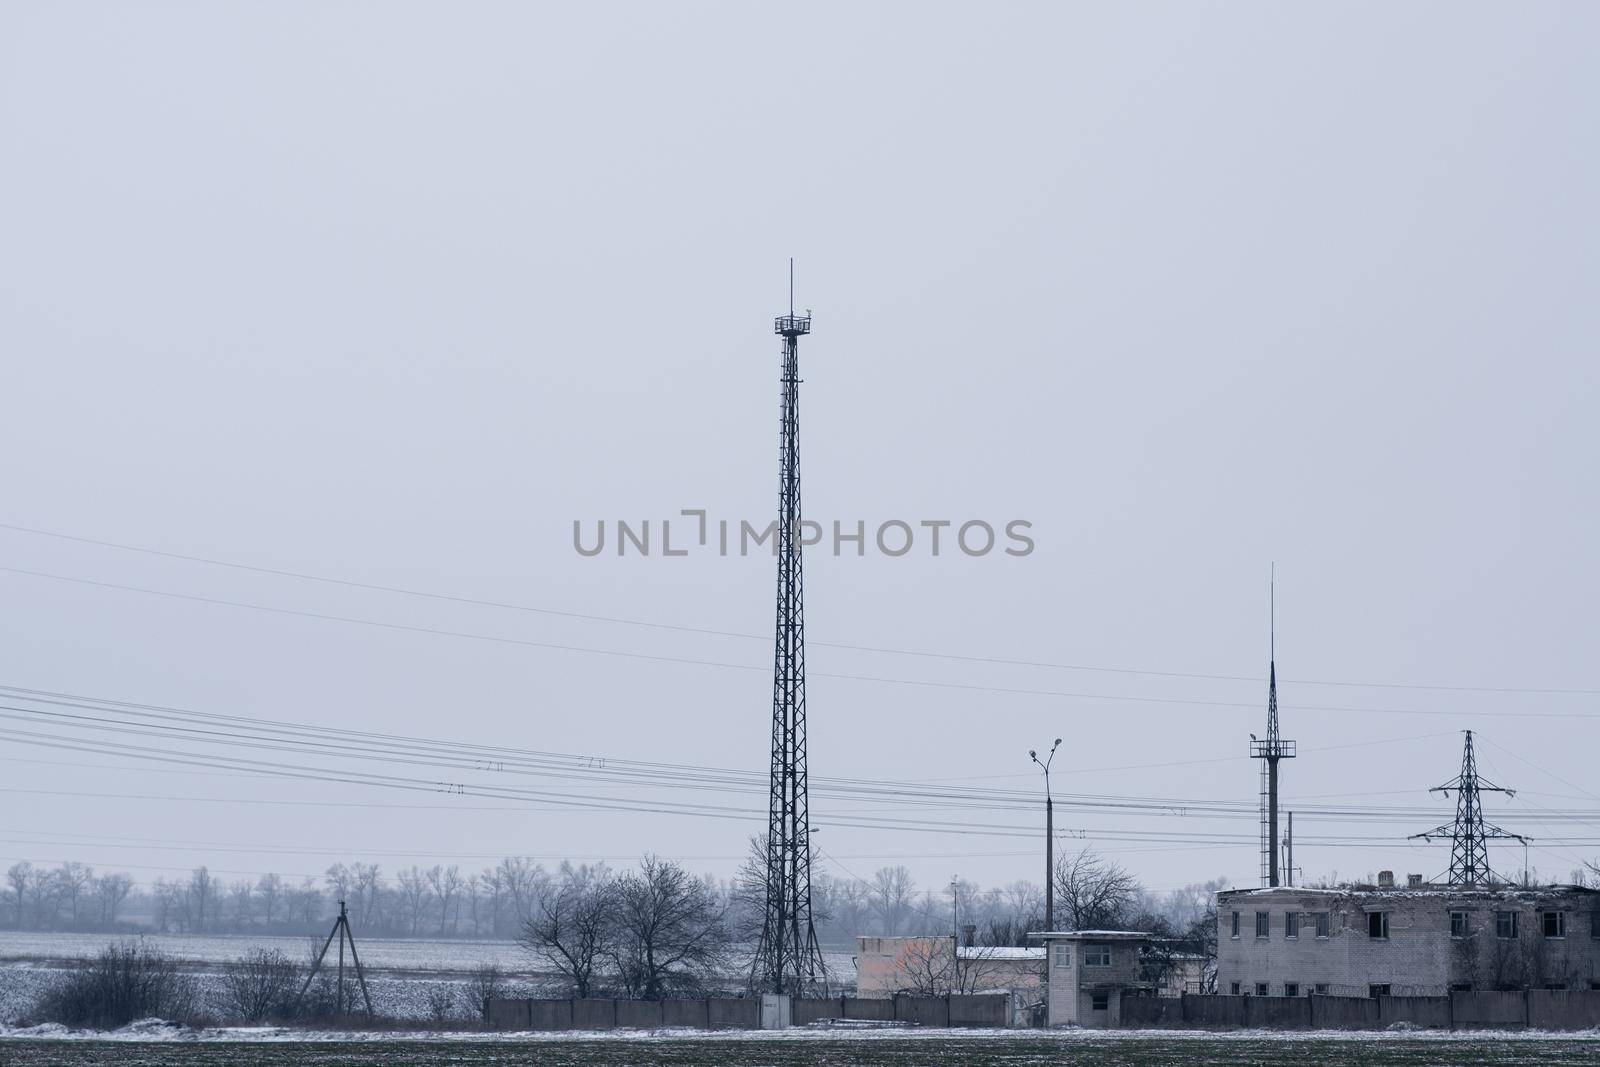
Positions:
(392, 954)
(420, 954)
(160, 1030)
(154, 1043)
(409, 979)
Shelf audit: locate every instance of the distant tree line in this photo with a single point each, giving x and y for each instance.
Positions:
(502, 900)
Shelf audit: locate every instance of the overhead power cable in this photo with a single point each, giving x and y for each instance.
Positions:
(713, 632)
(759, 668)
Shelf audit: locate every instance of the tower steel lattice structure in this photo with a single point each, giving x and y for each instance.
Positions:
(1270, 751)
(788, 958)
(1469, 834)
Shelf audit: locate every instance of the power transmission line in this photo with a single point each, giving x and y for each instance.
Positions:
(724, 665)
(713, 632)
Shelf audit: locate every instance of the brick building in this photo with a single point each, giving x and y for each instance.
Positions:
(1089, 974)
(1418, 939)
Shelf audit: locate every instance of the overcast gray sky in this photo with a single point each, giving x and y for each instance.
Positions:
(394, 293)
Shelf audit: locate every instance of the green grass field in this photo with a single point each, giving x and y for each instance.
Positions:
(1153, 1051)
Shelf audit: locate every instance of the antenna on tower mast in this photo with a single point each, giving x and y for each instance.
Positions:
(1274, 748)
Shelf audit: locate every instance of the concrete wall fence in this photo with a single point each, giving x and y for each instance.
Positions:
(744, 1013)
(1533, 1009)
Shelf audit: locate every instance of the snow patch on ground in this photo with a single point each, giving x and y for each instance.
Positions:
(157, 1030)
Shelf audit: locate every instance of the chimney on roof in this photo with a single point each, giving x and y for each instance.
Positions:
(969, 935)
(1385, 879)
(1414, 881)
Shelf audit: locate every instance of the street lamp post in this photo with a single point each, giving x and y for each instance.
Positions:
(1049, 836)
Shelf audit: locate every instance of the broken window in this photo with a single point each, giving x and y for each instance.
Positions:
(1378, 924)
(1378, 990)
(1291, 925)
(1263, 923)
(1458, 924)
(1555, 924)
(1505, 925)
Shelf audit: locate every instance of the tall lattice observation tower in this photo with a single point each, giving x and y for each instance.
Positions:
(1271, 750)
(788, 958)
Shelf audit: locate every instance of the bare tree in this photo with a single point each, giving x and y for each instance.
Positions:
(242, 894)
(891, 892)
(18, 877)
(72, 879)
(937, 967)
(202, 895)
(413, 885)
(445, 882)
(472, 885)
(341, 881)
(523, 882)
(747, 895)
(369, 892)
(671, 930)
(853, 902)
(110, 891)
(494, 894)
(1092, 892)
(573, 927)
(270, 890)
(308, 900)
(163, 895)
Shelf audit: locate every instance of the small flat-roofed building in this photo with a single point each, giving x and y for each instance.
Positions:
(1088, 972)
(936, 965)
(1413, 940)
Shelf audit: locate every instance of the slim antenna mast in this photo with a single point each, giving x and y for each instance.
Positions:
(1274, 748)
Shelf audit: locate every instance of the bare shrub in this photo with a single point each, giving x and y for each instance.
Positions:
(129, 980)
(262, 985)
(444, 1004)
(487, 983)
